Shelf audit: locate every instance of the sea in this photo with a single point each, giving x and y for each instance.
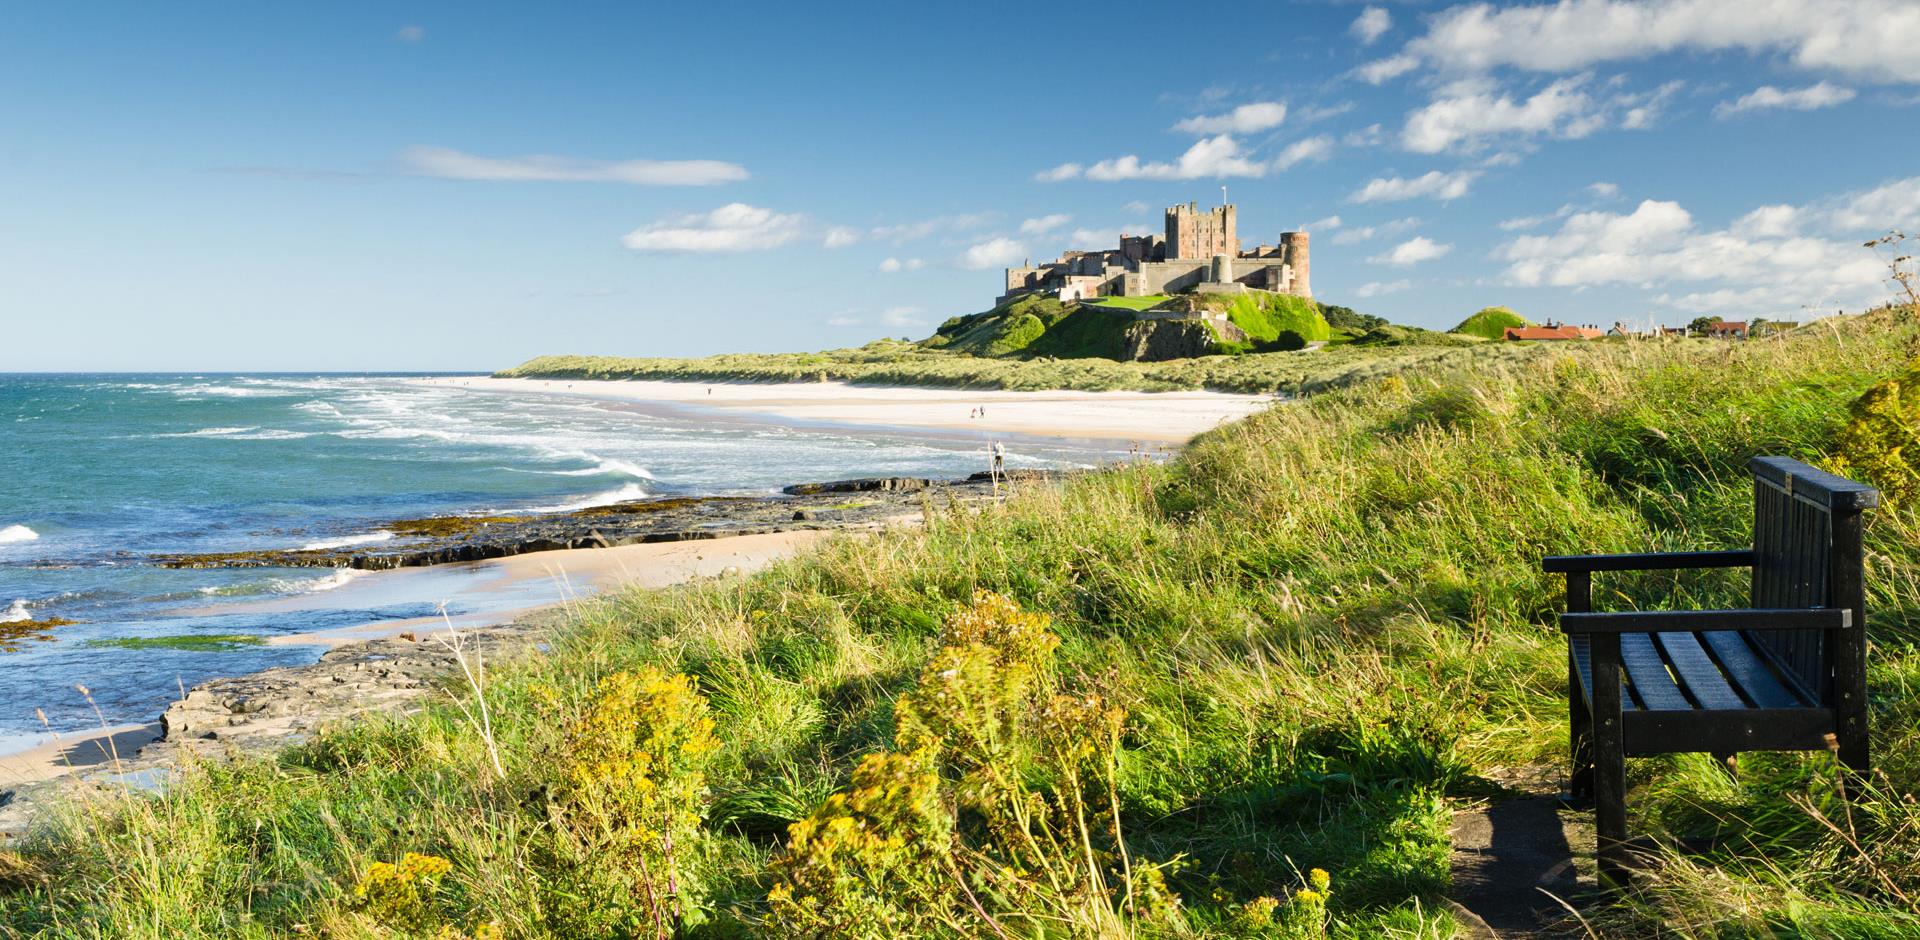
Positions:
(100, 473)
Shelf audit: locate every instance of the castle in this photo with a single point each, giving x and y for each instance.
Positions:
(1200, 252)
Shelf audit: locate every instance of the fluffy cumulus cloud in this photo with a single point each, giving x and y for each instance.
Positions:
(1412, 251)
(1871, 39)
(1381, 71)
(1467, 114)
(1217, 157)
(1330, 222)
(732, 227)
(1371, 24)
(892, 265)
(1767, 97)
(1769, 261)
(1245, 119)
(1044, 224)
(999, 252)
(451, 164)
(1431, 185)
(1604, 190)
(840, 236)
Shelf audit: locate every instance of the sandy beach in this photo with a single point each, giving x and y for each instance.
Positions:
(1147, 417)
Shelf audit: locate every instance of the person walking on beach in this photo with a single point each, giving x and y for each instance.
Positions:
(999, 458)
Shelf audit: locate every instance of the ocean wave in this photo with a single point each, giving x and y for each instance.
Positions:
(16, 533)
(211, 432)
(365, 538)
(631, 491)
(604, 466)
(327, 582)
(17, 612)
(229, 391)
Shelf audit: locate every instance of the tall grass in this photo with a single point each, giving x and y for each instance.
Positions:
(1318, 622)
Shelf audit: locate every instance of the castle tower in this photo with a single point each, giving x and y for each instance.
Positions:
(1193, 235)
(1293, 246)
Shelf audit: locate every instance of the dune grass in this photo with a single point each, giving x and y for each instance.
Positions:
(1313, 630)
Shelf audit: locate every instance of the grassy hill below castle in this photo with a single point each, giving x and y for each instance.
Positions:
(1035, 343)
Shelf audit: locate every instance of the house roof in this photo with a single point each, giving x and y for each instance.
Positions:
(1551, 332)
(1729, 326)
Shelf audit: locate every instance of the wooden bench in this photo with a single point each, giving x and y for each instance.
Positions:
(1787, 673)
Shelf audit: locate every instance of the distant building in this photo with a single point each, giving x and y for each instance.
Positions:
(1199, 252)
(1728, 329)
(1551, 332)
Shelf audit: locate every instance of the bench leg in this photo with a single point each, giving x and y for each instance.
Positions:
(1580, 738)
(1609, 763)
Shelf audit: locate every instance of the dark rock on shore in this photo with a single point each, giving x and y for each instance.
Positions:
(444, 539)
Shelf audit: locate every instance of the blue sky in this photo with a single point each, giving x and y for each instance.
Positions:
(461, 186)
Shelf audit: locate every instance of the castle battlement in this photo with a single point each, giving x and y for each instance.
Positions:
(1199, 252)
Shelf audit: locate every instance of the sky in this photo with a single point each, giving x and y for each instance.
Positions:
(461, 186)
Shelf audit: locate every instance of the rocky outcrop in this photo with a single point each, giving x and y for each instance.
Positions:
(1161, 340)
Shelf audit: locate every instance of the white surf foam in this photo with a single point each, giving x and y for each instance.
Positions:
(211, 432)
(365, 538)
(608, 498)
(17, 612)
(16, 533)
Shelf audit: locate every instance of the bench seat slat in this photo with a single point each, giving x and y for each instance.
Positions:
(1698, 673)
(1748, 669)
(1652, 684)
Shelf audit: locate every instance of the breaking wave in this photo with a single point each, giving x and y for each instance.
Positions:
(629, 492)
(365, 538)
(17, 533)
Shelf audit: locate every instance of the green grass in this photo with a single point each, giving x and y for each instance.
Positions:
(195, 642)
(1491, 323)
(1147, 302)
(1323, 624)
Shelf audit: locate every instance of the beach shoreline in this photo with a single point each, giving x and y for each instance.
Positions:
(1144, 417)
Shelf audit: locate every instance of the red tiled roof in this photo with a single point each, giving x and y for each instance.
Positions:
(1551, 332)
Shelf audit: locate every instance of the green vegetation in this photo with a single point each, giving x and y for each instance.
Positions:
(1260, 684)
(1277, 321)
(1491, 323)
(1147, 302)
(194, 642)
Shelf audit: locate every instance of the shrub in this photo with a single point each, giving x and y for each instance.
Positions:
(1881, 439)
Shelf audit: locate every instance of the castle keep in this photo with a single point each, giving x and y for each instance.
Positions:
(1199, 252)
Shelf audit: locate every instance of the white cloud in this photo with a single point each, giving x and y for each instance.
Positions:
(1413, 251)
(1534, 221)
(1385, 70)
(999, 252)
(1871, 39)
(891, 265)
(1216, 157)
(447, 163)
(1370, 136)
(1355, 236)
(1739, 267)
(1466, 114)
(1135, 206)
(943, 224)
(1371, 24)
(1644, 108)
(732, 227)
(1330, 222)
(410, 33)
(1318, 113)
(1044, 224)
(1433, 185)
(1245, 119)
(840, 236)
(1377, 288)
(1311, 148)
(1064, 171)
(1767, 97)
(1604, 190)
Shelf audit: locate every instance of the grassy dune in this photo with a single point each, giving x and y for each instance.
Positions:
(892, 362)
(1230, 696)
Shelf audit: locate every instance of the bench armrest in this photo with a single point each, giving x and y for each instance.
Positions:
(1735, 558)
(1694, 621)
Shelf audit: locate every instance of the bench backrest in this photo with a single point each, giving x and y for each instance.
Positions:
(1807, 553)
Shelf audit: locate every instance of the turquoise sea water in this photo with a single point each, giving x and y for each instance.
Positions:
(100, 472)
